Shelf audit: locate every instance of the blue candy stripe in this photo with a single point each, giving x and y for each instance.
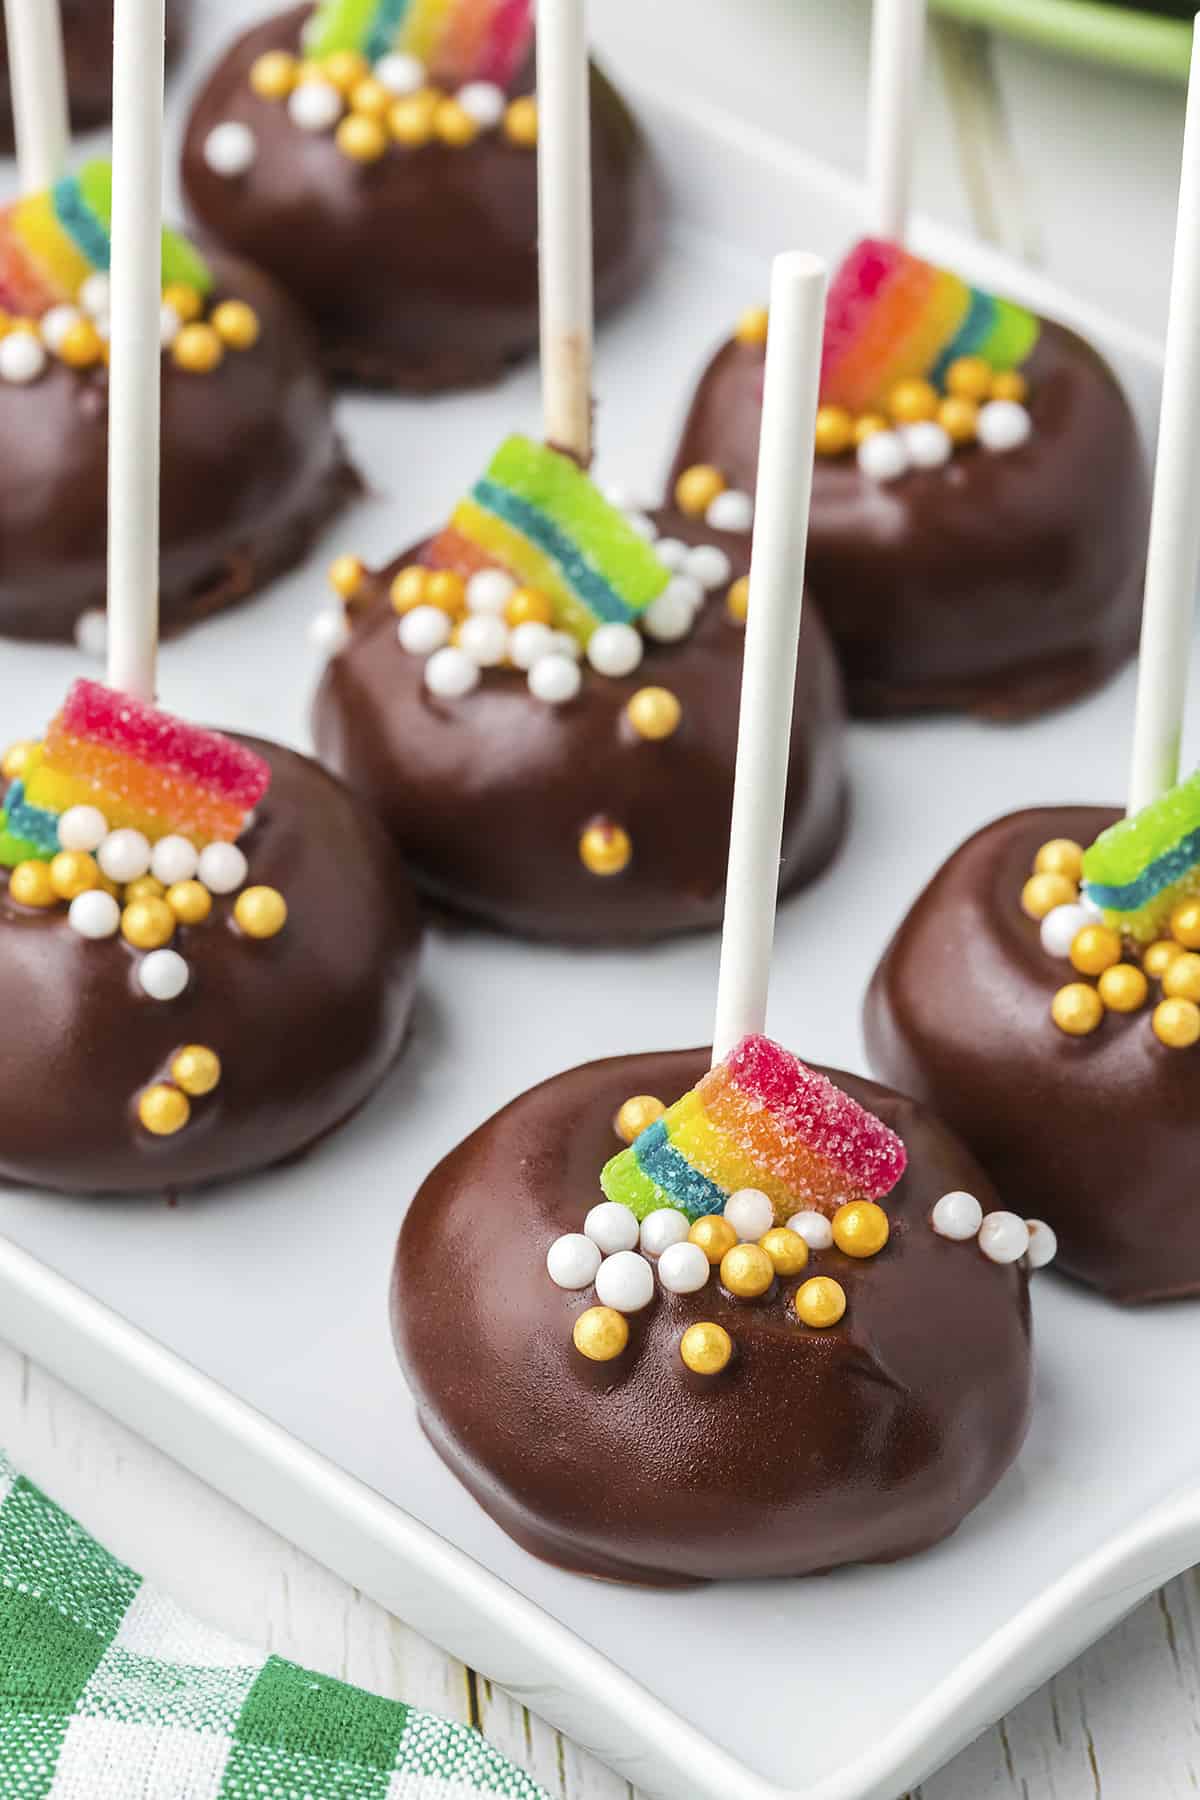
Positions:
(32, 823)
(80, 223)
(693, 1193)
(981, 316)
(389, 16)
(589, 587)
(1162, 873)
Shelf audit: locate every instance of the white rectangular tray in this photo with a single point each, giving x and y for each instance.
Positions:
(245, 1331)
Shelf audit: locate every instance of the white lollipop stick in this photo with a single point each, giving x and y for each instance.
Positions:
(38, 81)
(785, 466)
(1174, 554)
(897, 57)
(565, 225)
(134, 343)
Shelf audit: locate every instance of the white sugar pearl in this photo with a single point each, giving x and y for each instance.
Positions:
(572, 1260)
(883, 456)
(230, 148)
(750, 1213)
(929, 444)
(661, 1229)
(671, 552)
(329, 630)
(424, 630)
(643, 525)
(1090, 907)
(94, 914)
(709, 565)
(670, 617)
(173, 859)
(1003, 425)
(91, 627)
(625, 1282)
(169, 325)
(612, 1226)
(483, 101)
(814, 1228)
(450, 673)
(22, 358)
(957, 1215)
(124, 855)
(619, 494)
(56, 323)
(82, 828)
(489, 591)
(95, 296)
(615, 649)
(163, 974)
(732, 510)
(683, 1269)
(1003, 1237)
(400, 74)
(484, 638)
(567, 644)
(555, 679)
(1043, 1243)
(1060, 926)
(529, 642)
(315, 106)
(222, 868)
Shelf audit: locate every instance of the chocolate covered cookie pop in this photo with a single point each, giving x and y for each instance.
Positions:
(379, 160)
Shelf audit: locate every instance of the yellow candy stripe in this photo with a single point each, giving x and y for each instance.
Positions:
(717, 1156)
(513, 551)
(53, 253)
(423, 27)
(118, 785)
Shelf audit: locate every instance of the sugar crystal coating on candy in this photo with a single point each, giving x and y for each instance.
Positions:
(457, 40)
(1138, 868)
(759, 1119)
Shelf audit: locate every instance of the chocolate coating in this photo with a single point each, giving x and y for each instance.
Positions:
(420, 269)
(1097, 1135)
(487, 796)
(1002, 584)
(862, 1443)
(306, 1023)
(252, 471)
(88, 54)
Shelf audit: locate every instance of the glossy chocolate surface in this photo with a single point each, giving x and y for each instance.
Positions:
(1099, 1134)
(306, 1023)
(252, 470)
(865, 1442)
(88, 53)
(1002, 584)
(487, 796)
(420, 269)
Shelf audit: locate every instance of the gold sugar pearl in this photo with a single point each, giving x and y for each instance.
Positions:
(446, 589)
(706, 1348)
(860, 1228)
(747, 1271)
(969, 377)
(73, 872)
(958, 417)
(528, 606)
(1158, 956)
(261, 912)
(147, 924)
(911, 402)
(196, 1069)
(362, 138)
(600, 1333)
(454, 125)
(787, 1250)
(605, 849)
(737, 600)
(1185, 924)
(81, 346)
(371, 99)
(197, 349)
(1042, 893)
(820, 1302)
(190, 901)
(1060, 856)
(1077, 1009)
(17, 757)
(834, 431)
(30, 885)
(185, 301)
(408, 588)
(1176, 1023)
(346, 576)
(273, 76)
(637, 1114)
(654, 712)
(410, 120)
(345, 69)
(163, 1109)
(697, 488)
(521, 122)
(1123, 988)
(1181, 980)
(715, 1236)
(867, 424)
(1095, 948)
(751, 327)
(145, 887)
(236, 324)
(1008, 384)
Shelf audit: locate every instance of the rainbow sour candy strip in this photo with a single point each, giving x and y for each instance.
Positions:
(1137, 869)
(891, 316)
(537, 514)
(145, 768)
(27, 832)
(457, 40)
(759, 1119)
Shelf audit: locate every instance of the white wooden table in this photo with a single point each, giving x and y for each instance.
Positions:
(1122, 1723)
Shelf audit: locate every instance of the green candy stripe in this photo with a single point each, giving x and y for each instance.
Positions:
(623, 1180)
(1125, 851)
(181, 262)
(340, 25)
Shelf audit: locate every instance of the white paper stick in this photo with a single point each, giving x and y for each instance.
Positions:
(135, 373)
(38, 82)
(785, 466)
(897, 59)
(1169, 607)
(565, 225)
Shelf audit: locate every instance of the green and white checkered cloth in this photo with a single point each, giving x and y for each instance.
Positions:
(109, 1691)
